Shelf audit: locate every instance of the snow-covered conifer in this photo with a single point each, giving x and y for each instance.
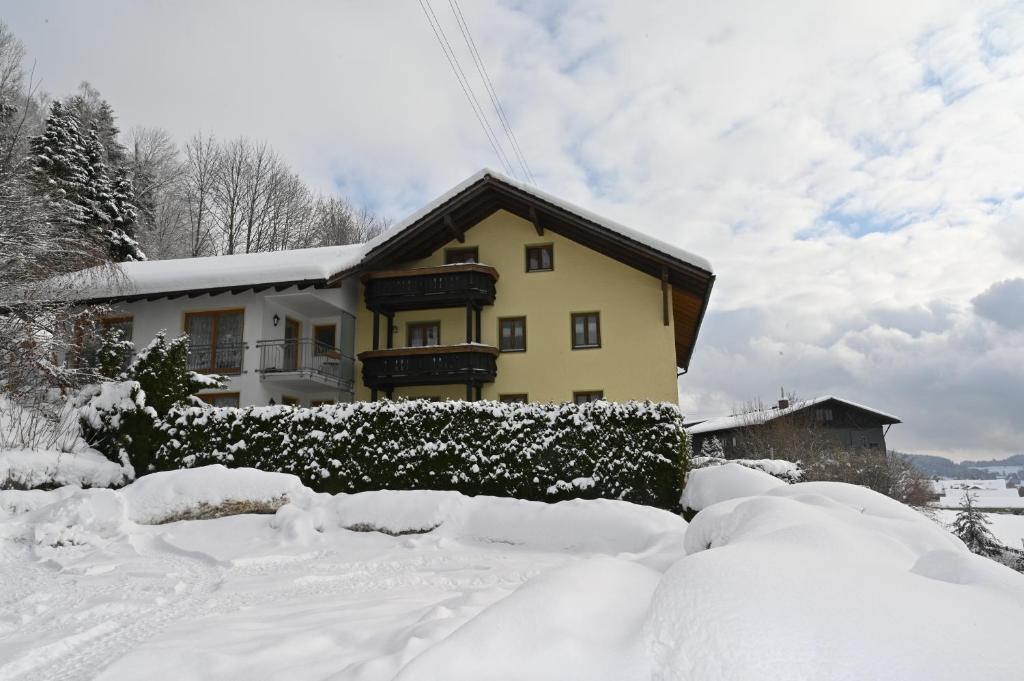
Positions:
(712, 447)
(971, 526)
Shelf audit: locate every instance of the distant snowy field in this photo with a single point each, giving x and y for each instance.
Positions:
(988, 493)
(769, 581)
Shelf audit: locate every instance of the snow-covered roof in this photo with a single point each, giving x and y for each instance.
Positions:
(222, 271)
(754, 418)
(622, 230)
(320, 264)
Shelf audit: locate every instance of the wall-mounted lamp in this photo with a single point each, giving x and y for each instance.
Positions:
(277, 320)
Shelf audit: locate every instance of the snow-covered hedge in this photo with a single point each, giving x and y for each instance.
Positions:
(633, 451)
(787, 471)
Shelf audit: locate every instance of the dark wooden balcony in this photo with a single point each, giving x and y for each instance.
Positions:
(463, 285)
(471, 364)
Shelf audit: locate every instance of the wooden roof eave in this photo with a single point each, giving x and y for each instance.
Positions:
(196, 292)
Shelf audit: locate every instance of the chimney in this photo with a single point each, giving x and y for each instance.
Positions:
(783, 403)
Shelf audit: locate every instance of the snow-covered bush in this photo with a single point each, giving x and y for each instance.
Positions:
(634, 451)
(122, 418)
(787, 471)
(712, 448)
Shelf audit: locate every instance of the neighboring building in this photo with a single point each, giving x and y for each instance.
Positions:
(845, 424)
(493, 291)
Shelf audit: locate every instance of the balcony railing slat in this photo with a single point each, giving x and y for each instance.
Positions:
(443, 365)
(431, 288)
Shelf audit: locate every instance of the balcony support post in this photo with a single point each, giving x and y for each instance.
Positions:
(478, 324)
(373, 395)
(376, 330)
(479, 392)
(469, 322)
(391, 331)
(469, 392)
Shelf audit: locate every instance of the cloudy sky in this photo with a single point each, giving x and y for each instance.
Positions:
(855, 171)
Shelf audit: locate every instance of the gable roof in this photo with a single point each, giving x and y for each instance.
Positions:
(742, 420)
(447, 217)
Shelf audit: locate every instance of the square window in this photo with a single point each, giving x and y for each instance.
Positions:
(517, 398)
(456, 256)
(540, 258)
(512, 334)
(586, 396)
(324, 338)
(215, 341)
(586, 330)
(423, 334)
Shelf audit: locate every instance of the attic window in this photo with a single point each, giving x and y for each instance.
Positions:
(540, 258)
(823, 415)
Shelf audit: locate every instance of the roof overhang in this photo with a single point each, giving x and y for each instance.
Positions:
(449, 219)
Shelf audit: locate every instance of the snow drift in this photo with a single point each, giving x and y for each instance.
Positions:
(769, 581)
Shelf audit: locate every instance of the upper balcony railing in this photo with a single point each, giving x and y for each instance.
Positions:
(308, 357)
(430, 287)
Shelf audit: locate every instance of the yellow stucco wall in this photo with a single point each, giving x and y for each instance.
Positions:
(636, 359)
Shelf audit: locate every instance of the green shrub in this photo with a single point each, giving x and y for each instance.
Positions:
(634, 451)
(123, 418)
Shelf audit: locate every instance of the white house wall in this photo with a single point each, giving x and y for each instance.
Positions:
(321, 306)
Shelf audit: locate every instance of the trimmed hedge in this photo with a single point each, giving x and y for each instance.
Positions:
(633, 451)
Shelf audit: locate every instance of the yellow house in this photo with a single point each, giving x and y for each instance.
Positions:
(498, 291)
(494, 291)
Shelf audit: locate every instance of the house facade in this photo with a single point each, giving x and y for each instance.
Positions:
(493, 291)
(828, 419)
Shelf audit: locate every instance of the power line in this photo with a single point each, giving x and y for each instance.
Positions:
(481, 68)
(467, 89)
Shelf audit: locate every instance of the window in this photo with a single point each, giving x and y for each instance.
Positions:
(587, 396)
(324, 338)
(220, 399)
(512, 334)
(423, 334)
(455, 256)
(88, 345)
(823, 414)
(517, 398)
(586, 330)
(289, 401)
(540, 258)
(215, 341)
(320, 403)
(124, 325)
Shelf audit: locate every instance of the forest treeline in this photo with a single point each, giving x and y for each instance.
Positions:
(140, 193)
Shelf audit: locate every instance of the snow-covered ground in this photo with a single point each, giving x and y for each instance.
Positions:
(806, 581)
(988, 493)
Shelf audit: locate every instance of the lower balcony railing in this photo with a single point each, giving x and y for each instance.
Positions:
(221, 358)
(467, 363)
(307, 357)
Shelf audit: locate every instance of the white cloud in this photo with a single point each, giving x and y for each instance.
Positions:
(853, 170)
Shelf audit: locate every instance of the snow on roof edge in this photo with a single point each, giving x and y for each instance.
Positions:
(681, 254)
(719, 423)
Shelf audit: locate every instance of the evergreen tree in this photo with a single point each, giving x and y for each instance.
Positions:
(59, 165)
(971, 526)
(712, 447)
(95, 113)
(69, 170)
